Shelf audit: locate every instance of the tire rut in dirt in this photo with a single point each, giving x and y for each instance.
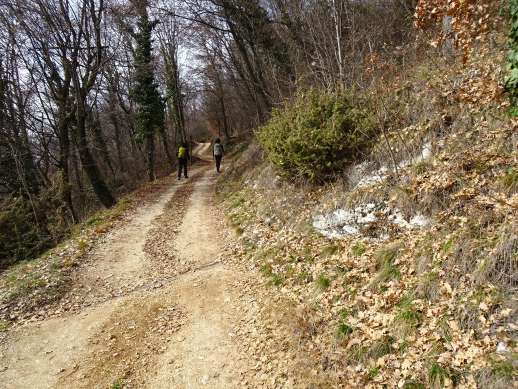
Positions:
(139, 330)
(127, 343)
(161, 267)
(160, 242)
(61, 267)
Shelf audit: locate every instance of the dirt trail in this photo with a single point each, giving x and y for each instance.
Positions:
(118, 265)
(203, 151)
(36, 355)
(175, 333)
(198, 240)
(203, 352)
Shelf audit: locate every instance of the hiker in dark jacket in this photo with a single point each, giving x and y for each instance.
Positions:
(183, 157)
(217, 153)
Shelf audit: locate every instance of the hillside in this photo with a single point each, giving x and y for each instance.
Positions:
(402, 272)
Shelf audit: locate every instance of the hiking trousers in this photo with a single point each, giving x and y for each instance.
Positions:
(218, 159)
(182, 165)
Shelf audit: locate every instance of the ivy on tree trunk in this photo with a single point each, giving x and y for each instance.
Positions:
(150, 106)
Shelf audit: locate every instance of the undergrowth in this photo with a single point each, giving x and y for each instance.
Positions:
(29, 227)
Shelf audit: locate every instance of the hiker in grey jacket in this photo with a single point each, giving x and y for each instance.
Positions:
(217, 153)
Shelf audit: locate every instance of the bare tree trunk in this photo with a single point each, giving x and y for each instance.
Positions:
(225, 119)
(77, 172)
(150, 155)
(257, 81)
(96, 128)
(338, 34)
(64, 158)
(92, 171)
(116, 127)
(32, 177)
(165, 143)
(30, 172)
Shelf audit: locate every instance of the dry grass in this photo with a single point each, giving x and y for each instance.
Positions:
(372, 351)
(467, 315)
(429, 286)
(385, 266)
(501, 267)
(500, 374)
(305, 324)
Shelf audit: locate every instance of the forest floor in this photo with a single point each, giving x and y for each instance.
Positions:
(156, 306)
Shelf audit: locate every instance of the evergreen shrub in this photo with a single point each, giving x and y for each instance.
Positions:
(317, 135)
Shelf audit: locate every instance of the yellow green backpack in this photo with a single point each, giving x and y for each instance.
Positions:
(182, 151)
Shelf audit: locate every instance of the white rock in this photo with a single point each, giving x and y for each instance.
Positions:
(426, 152)
(369, 218)
(350, 230)
(420, 221)
(501, 348)
(379, 175)
(346, 222)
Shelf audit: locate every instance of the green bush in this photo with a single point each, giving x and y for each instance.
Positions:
(317, 135)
